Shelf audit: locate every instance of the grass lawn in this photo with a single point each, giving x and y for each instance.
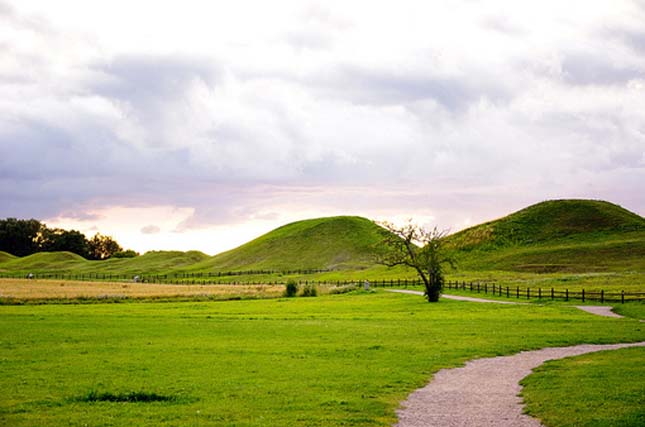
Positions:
(329, 361)
(603, 389)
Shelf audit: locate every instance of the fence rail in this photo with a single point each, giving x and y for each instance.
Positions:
(545, 293)
(214, 278)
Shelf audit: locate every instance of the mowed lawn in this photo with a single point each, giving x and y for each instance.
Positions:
(340, 360)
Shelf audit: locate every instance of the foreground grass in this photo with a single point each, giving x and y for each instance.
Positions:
(602, 389)
(329, 361)
(636, 310)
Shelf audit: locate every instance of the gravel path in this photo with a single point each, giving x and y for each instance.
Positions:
(455, 297)
(484, 392)
(600, 310)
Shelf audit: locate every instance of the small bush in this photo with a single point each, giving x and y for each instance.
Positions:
(309, 290)
(342, 289)
(291, 290)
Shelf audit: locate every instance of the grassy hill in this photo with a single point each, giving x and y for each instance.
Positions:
(343, 242)
(4, 256)
(553, 236)
(157, 262)
(557, 235)
(339, 243)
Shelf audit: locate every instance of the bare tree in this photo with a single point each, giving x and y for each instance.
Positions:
(418, 248)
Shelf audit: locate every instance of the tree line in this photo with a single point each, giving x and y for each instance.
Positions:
(23, 237)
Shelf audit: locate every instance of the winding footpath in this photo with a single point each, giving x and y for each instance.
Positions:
(485, 392)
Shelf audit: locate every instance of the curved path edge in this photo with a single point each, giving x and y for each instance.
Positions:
(599, 310)
(484, 392)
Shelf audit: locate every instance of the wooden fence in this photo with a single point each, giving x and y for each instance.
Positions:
(220, 278)
(546, 293)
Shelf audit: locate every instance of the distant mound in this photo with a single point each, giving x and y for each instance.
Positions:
(157, 262)
(44, 261)
(343, 242)
(548, 221)
(5, 256)
(556, 236)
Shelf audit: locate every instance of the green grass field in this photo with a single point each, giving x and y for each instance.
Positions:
(328, 361)
(603, 389)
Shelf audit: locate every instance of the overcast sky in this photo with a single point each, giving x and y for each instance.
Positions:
(202, 124)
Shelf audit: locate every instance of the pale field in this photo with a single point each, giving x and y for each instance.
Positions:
(24, 289)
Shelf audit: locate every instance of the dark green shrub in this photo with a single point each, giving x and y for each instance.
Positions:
(291, 289)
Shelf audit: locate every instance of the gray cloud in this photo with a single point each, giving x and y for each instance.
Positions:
(150, 229)
(387, 87)
(598, 69)
(239, 142)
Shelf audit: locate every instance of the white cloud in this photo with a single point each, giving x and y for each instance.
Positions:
(318, 108)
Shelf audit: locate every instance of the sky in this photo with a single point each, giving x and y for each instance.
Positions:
(182, 125)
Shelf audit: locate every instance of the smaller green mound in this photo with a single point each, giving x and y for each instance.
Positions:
(5, 256)
(164, 260)
(152, 262)
(549, 221)
(342, 242)
(44, 261)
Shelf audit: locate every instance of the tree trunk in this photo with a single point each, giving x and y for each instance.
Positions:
(433, 293)
(434, 284)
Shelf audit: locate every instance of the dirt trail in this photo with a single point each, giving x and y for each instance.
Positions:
(484, 392)
(599, 310)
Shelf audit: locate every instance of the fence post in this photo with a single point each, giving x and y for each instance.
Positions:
(507, 292)
(583, 295)
(552, 294)
(485, 288)
(528, 293)
(566, 294)
(602, 295)
(539, 293)
(518, 292)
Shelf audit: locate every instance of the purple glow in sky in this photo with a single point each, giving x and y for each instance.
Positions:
(200, 125)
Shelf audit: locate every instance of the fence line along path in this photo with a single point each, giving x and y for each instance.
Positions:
(484, 392)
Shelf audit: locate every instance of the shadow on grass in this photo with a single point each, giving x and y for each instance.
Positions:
(130, 397)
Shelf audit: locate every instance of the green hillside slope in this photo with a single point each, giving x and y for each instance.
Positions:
(4, 256)
(343, 242)
(557, 235)
(154, 262)
(549, 221)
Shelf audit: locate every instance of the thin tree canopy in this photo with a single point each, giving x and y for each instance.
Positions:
(423, 250)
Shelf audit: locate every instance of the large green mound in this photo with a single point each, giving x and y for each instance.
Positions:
(557, 235)
(339, 243)
(549, 221)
